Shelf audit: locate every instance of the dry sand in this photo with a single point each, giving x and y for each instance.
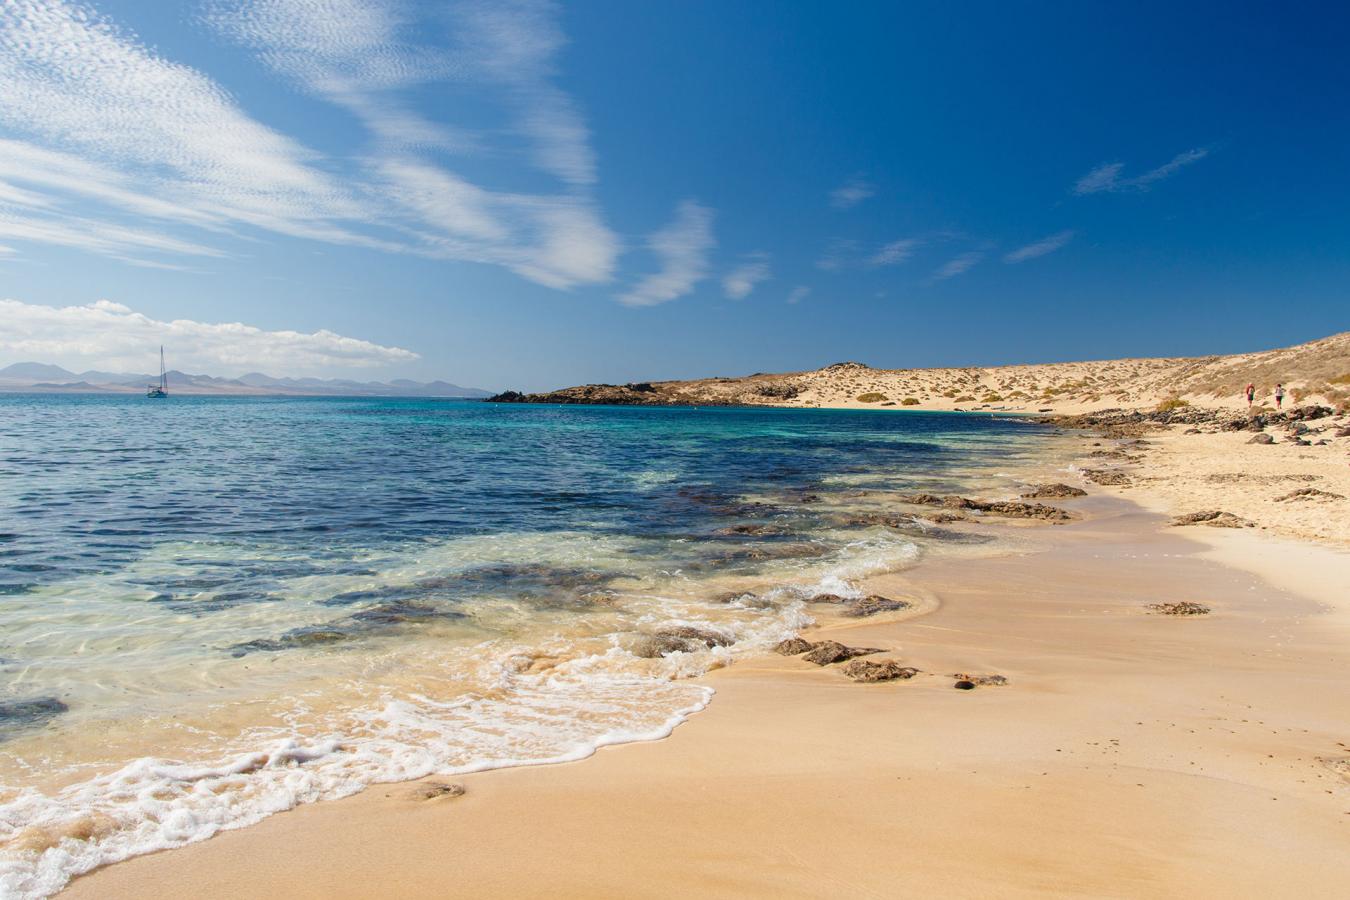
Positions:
(1130, 755)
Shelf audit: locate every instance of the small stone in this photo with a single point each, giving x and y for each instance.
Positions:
(982, 680)
(1261, 438)
(965, 684)
(1183, 608)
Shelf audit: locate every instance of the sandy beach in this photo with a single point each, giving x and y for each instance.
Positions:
(1129, 754)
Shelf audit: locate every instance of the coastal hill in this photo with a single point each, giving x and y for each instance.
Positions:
(1318, 371)
(29, 377)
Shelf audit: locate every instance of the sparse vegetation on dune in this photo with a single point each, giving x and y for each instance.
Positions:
(1318, 371)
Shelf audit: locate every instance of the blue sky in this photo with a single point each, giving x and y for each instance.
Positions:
(528, 195)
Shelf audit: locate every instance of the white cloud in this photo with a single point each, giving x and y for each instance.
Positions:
(1039, 248)
(1106, 177)
(799, 293)
(100, 119)
(895, 252)
(851, 193)
(682, 247)
(109, 336)
(958, 265)
(839, 253)
(740, 281)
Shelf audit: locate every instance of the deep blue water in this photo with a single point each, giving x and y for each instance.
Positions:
(86, 482)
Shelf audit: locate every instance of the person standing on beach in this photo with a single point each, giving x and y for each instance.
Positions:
(1251, 394)
(1279, 396)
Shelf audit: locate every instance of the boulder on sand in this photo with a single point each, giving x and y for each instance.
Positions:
(1214, 518)
(793, 646)
(827, 652)
(871, 671)
(1261, 438)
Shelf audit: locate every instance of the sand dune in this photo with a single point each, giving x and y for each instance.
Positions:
(1318, 371)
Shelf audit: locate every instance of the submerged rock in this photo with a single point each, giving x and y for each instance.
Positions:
(22, 715)
(1183, 608)
(1044, 491)
(870, 671)
(1214, 518)
(873, 604)
(826, 652)
(793, 646)
(433, 790)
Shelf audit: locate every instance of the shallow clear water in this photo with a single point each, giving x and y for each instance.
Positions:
(213, 609)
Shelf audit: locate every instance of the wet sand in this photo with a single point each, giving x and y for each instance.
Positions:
(1131, 754)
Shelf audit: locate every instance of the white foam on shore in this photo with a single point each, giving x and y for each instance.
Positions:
(523, 705)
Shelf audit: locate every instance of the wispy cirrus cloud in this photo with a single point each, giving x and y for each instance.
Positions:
(895, 252)
(104, 126)
(1039, 248)
(682, 248)
(111, 336)
(1107, 177)
(799, 293)
(851, 193)
(958, 265)
(740, 281)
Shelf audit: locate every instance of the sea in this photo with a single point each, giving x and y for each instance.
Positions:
(216, 609)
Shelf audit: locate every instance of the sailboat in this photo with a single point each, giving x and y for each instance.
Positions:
(161, 389)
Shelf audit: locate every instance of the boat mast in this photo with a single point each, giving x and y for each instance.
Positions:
(163, 376)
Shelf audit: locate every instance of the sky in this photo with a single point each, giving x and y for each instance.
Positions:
(528, 195)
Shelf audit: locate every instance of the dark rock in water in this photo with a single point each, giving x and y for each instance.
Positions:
(1184, 608)
(944, 518)
(1309, 494)
(827, 598)
(683, 639)
(398, 613)
(750, 529)
(870, 606)
(23, 715)
(793, 646)
(869, 671)
(745, 598)
(979, 680)
(1043, 491)
(1214, 518)
(826, 652)
(705, 636)
(1261, 438)
(655, 646)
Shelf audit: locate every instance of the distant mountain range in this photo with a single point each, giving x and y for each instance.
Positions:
(30, 376)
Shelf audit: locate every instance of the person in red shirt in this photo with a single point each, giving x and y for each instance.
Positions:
(1251, 394)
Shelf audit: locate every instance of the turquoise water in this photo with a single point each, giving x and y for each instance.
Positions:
(214, 609)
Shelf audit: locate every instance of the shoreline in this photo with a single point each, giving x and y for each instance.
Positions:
(797, 781)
